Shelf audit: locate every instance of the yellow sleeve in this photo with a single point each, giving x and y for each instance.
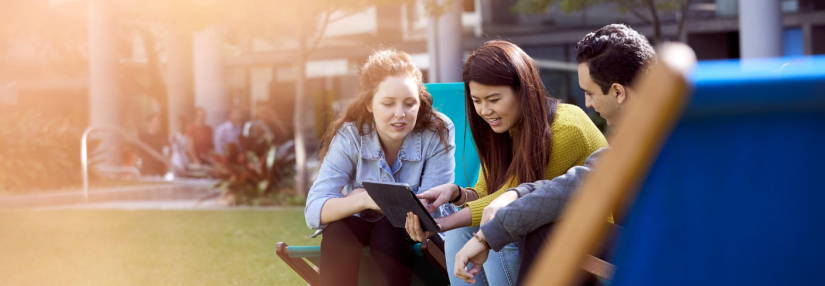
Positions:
(481, 184)
(593, 139)
(587, 136)
(477, 206)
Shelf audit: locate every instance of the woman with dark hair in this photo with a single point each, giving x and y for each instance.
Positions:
(522, 135)
(388, 133)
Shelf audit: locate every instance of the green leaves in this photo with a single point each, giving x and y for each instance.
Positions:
(567, 6)
(258, 180)
(38, 152)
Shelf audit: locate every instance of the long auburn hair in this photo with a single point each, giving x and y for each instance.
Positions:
(380, 65)
(504, 63)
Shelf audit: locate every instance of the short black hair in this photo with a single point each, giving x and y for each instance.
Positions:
(615, 54)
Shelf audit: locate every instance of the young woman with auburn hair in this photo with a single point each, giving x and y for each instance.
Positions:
(388, 133)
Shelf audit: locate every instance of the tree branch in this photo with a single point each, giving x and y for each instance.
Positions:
(640, 15)
(657, 31)
(342, 16)
(631, 6)
(317, 40)
(684, 14)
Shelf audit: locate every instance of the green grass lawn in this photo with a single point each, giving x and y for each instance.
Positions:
(148, 247)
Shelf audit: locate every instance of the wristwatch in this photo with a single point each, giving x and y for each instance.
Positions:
(460, 194)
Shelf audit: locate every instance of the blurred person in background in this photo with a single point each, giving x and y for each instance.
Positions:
(183, 151)
(228, 132)
(200, 135)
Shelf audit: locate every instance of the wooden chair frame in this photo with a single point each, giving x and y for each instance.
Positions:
(661, 96)
(428, 248)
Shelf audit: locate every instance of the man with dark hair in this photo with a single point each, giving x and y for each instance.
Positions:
(609, 59)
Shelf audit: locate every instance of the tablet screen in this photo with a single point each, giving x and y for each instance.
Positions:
(396, 200)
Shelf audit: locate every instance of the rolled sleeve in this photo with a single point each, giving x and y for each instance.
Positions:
(496, 235)
(439, 168)
(333, 176)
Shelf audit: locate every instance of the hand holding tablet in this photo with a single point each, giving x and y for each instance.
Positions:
(397, 201)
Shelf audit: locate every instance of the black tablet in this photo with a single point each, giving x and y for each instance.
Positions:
(396, 200)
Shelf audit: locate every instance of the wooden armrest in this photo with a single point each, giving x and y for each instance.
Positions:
(598, 267)
(299, 265)
(435, 256)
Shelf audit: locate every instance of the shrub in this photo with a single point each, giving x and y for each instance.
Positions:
(262, 177)
(37, 153)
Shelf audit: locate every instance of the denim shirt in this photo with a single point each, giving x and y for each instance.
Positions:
(423, 162)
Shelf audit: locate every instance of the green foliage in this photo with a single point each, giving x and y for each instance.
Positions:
(258, 178)
(543, 6)
(437, 8)
(248, 18)
(32, 30)
(37, 152)
(568, 6)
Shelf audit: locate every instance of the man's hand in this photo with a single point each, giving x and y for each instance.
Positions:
(473, 252)
(490, 211)
(437, 196)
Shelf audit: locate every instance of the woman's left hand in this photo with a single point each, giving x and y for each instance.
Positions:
(473, 252)
(413, 226)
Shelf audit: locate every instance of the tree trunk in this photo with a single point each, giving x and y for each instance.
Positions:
(299, 122)
(657, 30)
(157, 88)
(682, 18)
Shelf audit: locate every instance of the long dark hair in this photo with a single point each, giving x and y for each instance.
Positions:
(380, 65)
(503, 63)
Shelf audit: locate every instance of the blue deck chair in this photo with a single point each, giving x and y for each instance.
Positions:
(733, 197)
(429, 266)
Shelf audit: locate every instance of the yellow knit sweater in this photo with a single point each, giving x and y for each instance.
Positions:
(575, 137)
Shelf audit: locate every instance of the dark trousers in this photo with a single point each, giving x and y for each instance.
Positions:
(341, 248)
(530, 247)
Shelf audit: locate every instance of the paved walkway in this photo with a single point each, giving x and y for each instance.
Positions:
(167, 205)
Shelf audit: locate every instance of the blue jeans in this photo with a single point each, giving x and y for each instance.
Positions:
(501, 268)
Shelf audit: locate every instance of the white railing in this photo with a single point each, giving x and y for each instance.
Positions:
(84, 158)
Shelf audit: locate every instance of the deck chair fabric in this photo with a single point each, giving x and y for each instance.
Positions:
(429, 263)
(733, 197)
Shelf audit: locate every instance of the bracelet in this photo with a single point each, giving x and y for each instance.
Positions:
(460, 193)
(481, 240)
(466, 197)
